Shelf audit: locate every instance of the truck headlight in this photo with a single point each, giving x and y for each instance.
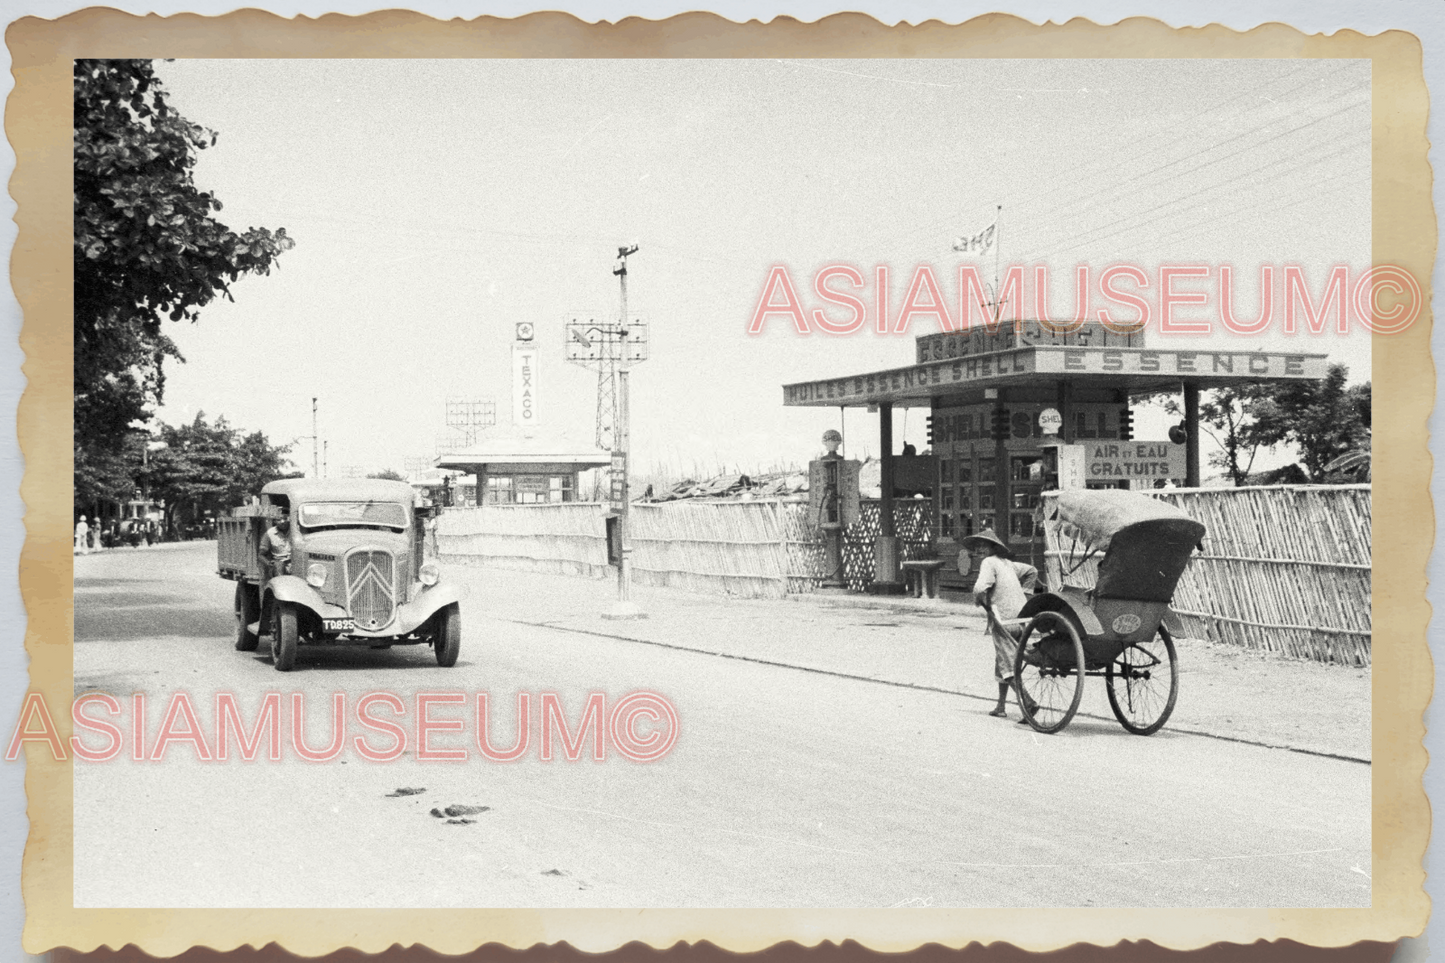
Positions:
(316, 575)
(430, 573)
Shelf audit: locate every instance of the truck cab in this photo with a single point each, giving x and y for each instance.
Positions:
(357, 574)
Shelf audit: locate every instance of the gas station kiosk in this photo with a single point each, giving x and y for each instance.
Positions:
(1024, 407)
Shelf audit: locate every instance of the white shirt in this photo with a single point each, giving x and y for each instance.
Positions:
(1005, 578)
(275, 546)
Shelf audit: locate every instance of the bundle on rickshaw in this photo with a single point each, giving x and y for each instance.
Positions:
(1119, 627)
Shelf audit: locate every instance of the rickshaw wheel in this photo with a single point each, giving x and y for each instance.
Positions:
(1049, 672)
(1140, 693)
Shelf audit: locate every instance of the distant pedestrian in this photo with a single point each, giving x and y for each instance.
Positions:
(1000, 590)
(82, 537)
(150, 532)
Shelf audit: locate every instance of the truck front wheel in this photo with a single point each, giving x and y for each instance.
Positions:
(283, 635)
(246, 606)
(448, 640)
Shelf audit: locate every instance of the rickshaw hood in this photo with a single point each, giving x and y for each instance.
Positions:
(1093, 517)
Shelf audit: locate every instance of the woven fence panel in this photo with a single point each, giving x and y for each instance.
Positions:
(756, 549)
(912, 523)
(804, 553)
(568, 539)
(725, 547)
(1284, 569)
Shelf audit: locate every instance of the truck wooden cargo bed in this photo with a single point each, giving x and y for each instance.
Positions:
(238, 543)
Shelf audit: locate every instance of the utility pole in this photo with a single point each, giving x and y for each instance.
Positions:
(625, 608)
(614, 348)
(324, 446)
(315, 458)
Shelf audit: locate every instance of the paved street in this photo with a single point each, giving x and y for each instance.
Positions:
(864, 772)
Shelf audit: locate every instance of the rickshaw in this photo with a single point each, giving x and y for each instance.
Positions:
(1121, 628)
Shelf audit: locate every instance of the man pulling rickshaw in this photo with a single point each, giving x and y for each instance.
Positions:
(1116, 624)
(1001, 590)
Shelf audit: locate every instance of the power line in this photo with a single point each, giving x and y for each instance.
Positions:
(1120, 183)
(1094, 237)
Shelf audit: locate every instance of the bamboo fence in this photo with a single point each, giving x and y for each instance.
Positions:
(762, 548)
(1284, 569)
(755, 549)
(728, 547)
(565, 539)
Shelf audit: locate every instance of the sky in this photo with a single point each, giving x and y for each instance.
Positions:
(434, 204)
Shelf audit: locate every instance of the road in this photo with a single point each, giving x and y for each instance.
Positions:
(785, 788)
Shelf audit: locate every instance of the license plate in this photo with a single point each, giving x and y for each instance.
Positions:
(338, 625)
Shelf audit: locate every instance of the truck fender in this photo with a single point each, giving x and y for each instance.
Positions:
(293, 588)
(437, 597)
(1073, 608)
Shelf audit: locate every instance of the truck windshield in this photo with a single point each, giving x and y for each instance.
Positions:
(352, 514)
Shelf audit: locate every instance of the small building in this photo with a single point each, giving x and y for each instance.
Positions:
(524, 471)
(997, 395)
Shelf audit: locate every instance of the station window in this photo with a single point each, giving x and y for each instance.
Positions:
(1027, 468)
(1021, 525)
(945, 525)
(499, 490)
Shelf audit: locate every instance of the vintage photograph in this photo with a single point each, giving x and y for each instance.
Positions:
(767, 483)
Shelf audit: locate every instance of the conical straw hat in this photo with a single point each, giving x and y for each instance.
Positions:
(987, 537)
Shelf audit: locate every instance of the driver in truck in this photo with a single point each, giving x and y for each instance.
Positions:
(276, 547)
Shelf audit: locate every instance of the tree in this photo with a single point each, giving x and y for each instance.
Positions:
(209, 468)
(146, 249)
(1227, 416)
(258, 463)
(1324, 419)
(388, 474)
(109, 474)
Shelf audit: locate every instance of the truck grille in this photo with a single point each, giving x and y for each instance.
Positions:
(371, 588)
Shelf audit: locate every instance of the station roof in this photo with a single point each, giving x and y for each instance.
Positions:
(1136, 370)
(524, 456)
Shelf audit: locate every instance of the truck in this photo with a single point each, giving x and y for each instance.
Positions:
(358, 572)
